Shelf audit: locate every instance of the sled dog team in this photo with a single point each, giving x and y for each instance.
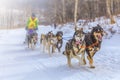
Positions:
(76, 47)
(51, 40)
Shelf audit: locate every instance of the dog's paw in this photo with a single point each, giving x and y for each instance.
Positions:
(92, 67)
(70, 66)
(82, 62)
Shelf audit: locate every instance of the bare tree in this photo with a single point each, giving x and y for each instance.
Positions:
(63, 2)
(75, 14)
(108, 4)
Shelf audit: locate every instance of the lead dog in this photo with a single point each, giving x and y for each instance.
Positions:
(76, 47)
(93, 43)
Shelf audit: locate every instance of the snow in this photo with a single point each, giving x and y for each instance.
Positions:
(17, 62)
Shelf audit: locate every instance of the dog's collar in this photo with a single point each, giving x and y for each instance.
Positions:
(90, 46)
(81, 46)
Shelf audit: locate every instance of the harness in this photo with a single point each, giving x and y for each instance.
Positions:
(49, 36)
(92, 45)
(78, 47)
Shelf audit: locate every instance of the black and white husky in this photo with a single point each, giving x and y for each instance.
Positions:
(76, 47)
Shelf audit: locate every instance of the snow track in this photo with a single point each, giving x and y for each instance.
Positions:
(19, 63)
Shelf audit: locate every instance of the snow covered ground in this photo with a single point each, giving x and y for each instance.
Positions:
(17, 62)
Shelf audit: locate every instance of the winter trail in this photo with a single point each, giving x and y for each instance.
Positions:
(19, 63)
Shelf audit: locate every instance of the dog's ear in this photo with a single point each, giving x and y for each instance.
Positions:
(62, 33)
(81, 29)
(98, 25)
(93, 28)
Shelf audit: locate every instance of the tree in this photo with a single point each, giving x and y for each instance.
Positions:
(75, 14)
(63, 2)
(108, 4)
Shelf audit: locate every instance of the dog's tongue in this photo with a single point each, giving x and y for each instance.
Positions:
(100, 38)
(78, 42)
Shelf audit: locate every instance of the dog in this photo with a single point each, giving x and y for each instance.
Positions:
(47, 41)
(76, 47)
(52, 44)
(43, 41)
(93, 43)
(59, 44)
(32, 39)
(52, 41)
